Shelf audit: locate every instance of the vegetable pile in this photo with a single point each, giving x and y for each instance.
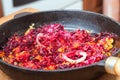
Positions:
(51, 47)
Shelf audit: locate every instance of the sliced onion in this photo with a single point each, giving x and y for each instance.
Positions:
(84, 55)
(40, 35)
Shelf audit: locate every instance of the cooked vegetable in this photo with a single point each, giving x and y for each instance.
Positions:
(51, 47)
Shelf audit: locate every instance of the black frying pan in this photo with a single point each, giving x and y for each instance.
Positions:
(71, 20)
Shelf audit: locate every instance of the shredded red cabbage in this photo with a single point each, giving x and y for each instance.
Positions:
(51, 47)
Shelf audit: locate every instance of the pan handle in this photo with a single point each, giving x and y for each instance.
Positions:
(112, 65)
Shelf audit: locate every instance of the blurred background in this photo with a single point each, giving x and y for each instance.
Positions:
(110, 8)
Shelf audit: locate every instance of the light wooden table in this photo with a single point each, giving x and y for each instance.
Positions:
(3, 76)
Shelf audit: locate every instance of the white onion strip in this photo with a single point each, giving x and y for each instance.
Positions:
(84, 55)
(40, 35)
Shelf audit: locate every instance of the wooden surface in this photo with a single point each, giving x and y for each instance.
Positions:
(3, 76)
(6, 18)
(93, 5)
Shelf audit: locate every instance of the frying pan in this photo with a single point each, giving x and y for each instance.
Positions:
(71, 20)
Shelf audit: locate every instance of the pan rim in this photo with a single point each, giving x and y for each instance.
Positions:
(80, 11)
